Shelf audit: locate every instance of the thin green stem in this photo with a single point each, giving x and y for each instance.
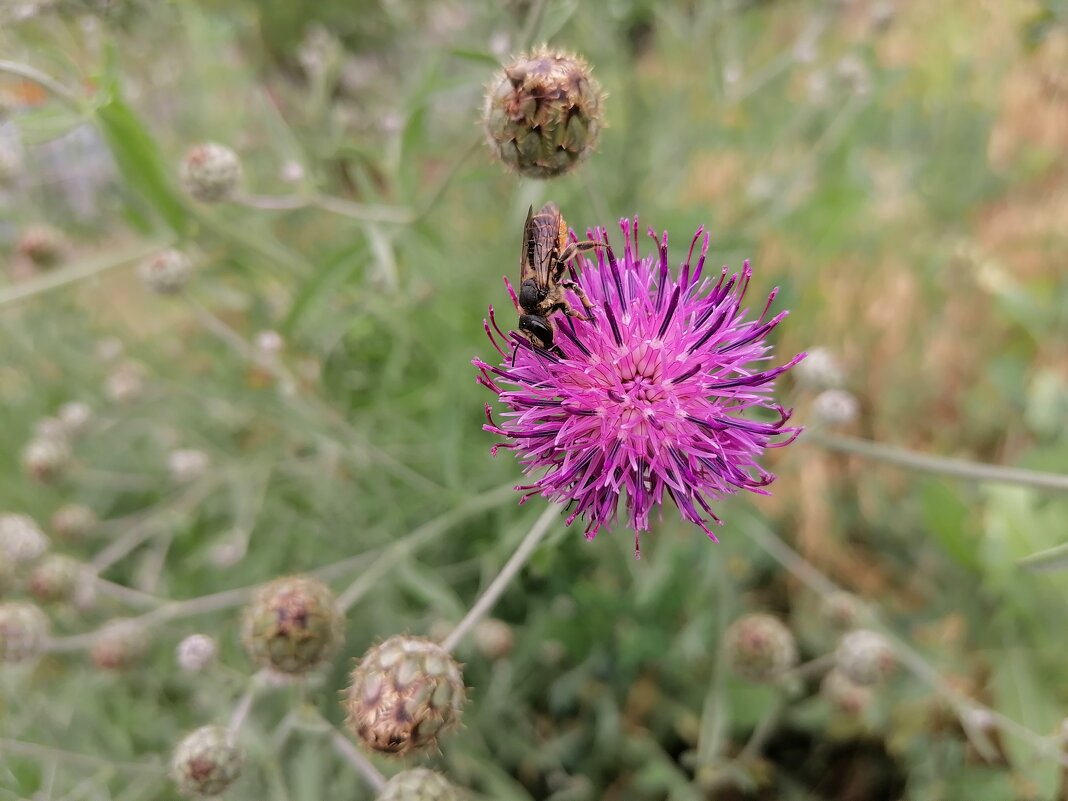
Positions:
(362, 211)
(38, 751)
(43, 80)
(352, 755)
(532, 24)
(499, 584)
(957, 468)
(243, 705)
(74, 274)
(763, 731)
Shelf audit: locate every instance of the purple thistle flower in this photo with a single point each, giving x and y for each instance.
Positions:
(646, 399)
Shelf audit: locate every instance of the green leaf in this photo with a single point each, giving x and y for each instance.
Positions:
(947, 519)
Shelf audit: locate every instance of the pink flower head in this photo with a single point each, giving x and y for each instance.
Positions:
(646, 400)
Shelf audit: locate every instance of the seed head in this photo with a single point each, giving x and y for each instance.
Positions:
(865, 657)
(759, 647)
(21, 539)
(23, 631)
(835, 407)
(126, 382)
(121, 644)
(206, 762)
(75, 416)
(187, 465)
(403, 694)
(542, 113)
(167, 272)
(419, 784)
(43, 245)
(211, 172)
(44, 459)
(292, 625)
(493, 638)
(196, 653)
(845, 694)
(74, 521)
(55, 579)
(651, 400)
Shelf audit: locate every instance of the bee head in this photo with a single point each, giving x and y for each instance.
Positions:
(537, 327)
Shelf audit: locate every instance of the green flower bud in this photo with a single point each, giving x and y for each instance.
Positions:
(55, 579)
(206, 762)
(23, 631)
(211, 172)
(292, 625)
(866, 657)
(419, 784)
(167, 272)
(119, 645)
(759, 647)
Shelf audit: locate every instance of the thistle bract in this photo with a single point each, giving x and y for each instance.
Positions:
(759, 647)
(542, 113)
(292, 625)
(206, 762)
(404, 693)
(211, 172)
(650, 400)
(23, 631)
(865, 657)
(419, 784)
(120, 644)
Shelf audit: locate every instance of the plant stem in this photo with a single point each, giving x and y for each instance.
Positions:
(44, 80)
(362, 211)
(244, 706)
(957, 468)
(763, 731)
(352, 755)
(70, 275)
(67, 757)
(485, 603)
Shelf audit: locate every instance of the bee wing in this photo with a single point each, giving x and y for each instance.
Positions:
(544, 246)
(526, 253)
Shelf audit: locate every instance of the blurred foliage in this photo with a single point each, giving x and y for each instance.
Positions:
(900, 170)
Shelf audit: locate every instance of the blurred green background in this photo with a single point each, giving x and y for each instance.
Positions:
(899, 169)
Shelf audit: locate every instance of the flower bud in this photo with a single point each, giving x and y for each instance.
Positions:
(292, 625)
(43, 245)
(419, 784)
(759, 647)
(269, 344)
(493, 638)
(126, 382)
(844, 694)
(403, 694)
(23, 631)
(55, 579)
(843, 611)
(21, 539)
(167, 272)
(187, 465)
(196, 653)
(206, 762)
(865, 657)
(542, 113)
(44, 459)
(75, 416)
(119, 645)
(74, 521)
(819, 370)
(211, 172)
(835, 407)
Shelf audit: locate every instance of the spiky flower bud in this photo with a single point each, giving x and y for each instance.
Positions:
(211, 172)
(403, 694)
(542, 113)
(119, 645)
(167, 272)
(206, 762)
(187, 465)
(21, 539)
(55, 579)
(43, 245)
(44, 459)
(292, 625)
(843, 611)
(759, 647)
(75, 416)
(23, 631)
(845, 694)
(196, 653)
(493, 638)
(419, 784)
(865, 656)
(820, 370)
(835, 407)
(126, 382)
(75, 521)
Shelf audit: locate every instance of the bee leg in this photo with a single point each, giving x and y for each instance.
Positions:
(586, 302)
(577, 247)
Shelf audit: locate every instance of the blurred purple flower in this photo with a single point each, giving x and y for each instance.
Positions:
(647, 399)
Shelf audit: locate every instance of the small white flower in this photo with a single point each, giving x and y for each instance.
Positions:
(835, 407)
(196, 653)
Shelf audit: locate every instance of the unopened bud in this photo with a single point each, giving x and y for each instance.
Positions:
(23, 631)
(419, 784)
(167, 272)
(43, 245)
(46, 458)
(211, 172)
(835, 407)
(760, 647)
(206, 762)
(196, 653)
(866, 657)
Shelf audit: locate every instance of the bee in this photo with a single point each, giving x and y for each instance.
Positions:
(542, 262)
